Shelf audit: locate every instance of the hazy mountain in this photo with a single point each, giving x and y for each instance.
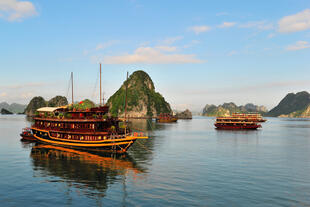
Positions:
(14, 107)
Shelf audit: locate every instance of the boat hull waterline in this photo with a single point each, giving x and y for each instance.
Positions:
(120, 145)
(26, 137)
(232, 127)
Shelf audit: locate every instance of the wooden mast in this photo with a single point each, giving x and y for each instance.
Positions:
(100, 85)
(126, 103)
(72, 87)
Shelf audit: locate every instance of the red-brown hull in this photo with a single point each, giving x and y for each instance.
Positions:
(237, 127)
(167, 120)
(26, 137)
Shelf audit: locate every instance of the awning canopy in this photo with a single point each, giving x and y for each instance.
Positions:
(48, 109)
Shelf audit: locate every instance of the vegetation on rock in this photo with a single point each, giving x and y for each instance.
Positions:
(227, 108)
(57, 101)
(299, 114)
(83, 105)
(142, 99)
(34, 104)
(293, 105)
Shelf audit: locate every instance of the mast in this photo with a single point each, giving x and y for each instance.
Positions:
(100, 85)
(72, 87)
(126, 103)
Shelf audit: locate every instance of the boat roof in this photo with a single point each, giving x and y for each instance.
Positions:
(48, 109)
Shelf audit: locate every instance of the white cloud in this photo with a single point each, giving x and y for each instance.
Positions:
(13, 10)
(102, 46)
(166, 48)
(299, 45)
(171, 40)
(149, 55)
(199, 29)
(191, 44)
(295, 23)
(227, 24)
(260, 25)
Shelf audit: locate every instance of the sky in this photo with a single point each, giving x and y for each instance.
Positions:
(196, 52)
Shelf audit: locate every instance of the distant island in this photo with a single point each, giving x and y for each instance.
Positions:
(4, 111)
(143, 100)
(293, 105)
(227, 108)
(187, 114)
(14, 107)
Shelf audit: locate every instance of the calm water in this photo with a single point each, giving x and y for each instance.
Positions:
(183, 164)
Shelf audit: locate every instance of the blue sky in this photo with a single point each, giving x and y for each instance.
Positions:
(196, 52)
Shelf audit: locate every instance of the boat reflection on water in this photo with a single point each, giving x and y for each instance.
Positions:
(26, 144)
(87, 171)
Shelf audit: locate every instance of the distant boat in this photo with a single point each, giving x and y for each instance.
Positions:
(166, 118)
(239, 121)
(256, 117)
(89, 128)
(27, 135)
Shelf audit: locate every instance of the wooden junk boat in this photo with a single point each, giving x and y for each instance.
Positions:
(239, 121)
(89, 128)
(166, 118)
(27, 135)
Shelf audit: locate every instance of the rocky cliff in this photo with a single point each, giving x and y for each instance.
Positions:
(142, 99)
(227, 108)
(38, 102)
(184, 115)
(292, 105)
(57, 101)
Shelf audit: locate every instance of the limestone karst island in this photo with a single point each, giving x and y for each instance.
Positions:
(154, 103)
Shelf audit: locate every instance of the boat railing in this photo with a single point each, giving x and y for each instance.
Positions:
(137, 134)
